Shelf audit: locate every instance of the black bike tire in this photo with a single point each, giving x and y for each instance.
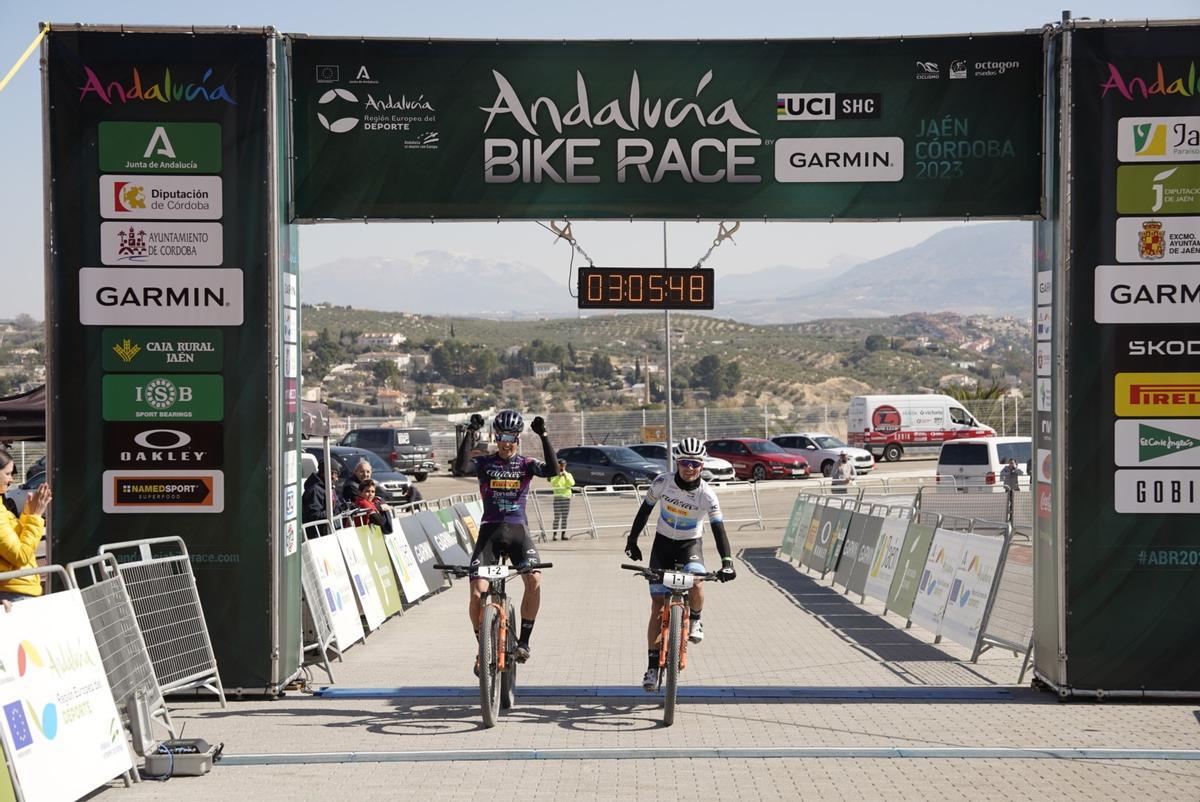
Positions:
(489, 692)
(674, 643)
(508, 678)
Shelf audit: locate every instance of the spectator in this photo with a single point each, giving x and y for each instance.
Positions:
(843, 473)
(562, 484)
(1010, 476)
(376, 512)
(315, 504)
(20, 536)
(351, 489)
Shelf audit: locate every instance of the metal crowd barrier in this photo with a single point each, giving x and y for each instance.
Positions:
(118, 637)
(158, 577)
(317, 635)
(1008, 622)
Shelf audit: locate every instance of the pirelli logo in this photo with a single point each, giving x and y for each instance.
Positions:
(505, 484)
(1163, 394)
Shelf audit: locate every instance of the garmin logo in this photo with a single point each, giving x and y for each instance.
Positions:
(159, 297)
(1146, 294)
(1164, 347)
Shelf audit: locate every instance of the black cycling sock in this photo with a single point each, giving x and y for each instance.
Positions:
(652, 665)
(526, 628)
(694, 615)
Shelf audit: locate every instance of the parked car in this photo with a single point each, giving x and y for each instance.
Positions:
(823, 451)
(715, 469)
(609, 465)
(973, 465)
(391, 485)
(35, 468)
(756, 458)
(19, 492)
(407, 450)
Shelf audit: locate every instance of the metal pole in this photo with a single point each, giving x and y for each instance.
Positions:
(706, 423)
(670, 407)
(766, 425)
(582, 441)
(1003, 420)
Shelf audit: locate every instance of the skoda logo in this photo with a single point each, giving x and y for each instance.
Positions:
(167, 439)
(342, 124)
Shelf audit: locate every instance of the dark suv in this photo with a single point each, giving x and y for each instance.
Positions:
(391, 486)
(407, 450)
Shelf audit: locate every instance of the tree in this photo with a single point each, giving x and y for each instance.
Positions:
(600, 367)
(991, 392)
(385, 372)
(876, 342)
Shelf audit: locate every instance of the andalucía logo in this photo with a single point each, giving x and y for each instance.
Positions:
(167, 89)
(1154, 443)
(1160, 83)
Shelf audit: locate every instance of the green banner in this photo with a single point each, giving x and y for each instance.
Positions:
(911, 564)
(380, 564)
(126, 422)
(839, 534)
(789, 534)
(810, 533)
(160, 146)
(163, 397)
(783, 129)
(1158, 189)
(142, 350)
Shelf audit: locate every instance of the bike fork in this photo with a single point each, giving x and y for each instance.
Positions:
(664, 635)
(501, 639)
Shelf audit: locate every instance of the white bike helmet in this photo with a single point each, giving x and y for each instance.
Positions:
(690, 448)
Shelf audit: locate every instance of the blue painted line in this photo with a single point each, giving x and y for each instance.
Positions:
(741, 692)
(728, 753)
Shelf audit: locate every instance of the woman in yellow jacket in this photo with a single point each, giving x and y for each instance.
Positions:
(19, 536)
(562, 484)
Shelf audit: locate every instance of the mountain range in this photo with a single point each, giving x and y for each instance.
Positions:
(976, 269)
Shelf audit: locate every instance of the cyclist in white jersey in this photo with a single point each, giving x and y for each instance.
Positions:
(684, 501)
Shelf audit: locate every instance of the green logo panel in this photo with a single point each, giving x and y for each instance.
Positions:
(127, 147)
(163, 397)
(141, 350)
(1158, 189)
(1154, 443)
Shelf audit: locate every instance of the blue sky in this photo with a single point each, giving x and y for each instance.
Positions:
(758, 245)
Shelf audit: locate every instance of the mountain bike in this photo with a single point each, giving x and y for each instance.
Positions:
(672, 637)
(497, 637)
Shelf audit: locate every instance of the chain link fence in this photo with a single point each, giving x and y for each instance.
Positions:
(1008, 416)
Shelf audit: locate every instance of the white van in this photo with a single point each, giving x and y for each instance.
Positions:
(973, 465)
(893, 425)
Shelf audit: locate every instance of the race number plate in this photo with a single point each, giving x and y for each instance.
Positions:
(493, 572)
(676, 580)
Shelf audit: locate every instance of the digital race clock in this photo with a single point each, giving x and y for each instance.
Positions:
(646, 288)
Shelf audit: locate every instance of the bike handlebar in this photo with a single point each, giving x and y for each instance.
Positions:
(649, 573)
(465, 570)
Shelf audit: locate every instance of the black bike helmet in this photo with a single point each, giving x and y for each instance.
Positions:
(508, 421)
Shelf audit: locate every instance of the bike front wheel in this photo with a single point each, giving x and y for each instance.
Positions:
(489, 685)
(508, 677)
(674, 644)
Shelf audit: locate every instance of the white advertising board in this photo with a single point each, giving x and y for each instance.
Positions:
(936, 579)
(61, 729)
(336, 590)
(971, 588)
(360, 577)
(411, 582)
(887, 555)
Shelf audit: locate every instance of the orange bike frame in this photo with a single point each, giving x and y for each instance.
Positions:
(502, 644)
(664, 634)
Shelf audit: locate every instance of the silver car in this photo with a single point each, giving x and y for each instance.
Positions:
(715, 469)
(823, 450)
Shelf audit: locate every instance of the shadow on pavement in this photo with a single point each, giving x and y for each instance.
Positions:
(861, 628)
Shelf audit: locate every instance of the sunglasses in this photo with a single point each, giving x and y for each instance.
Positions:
(690, 463)
(507, 438)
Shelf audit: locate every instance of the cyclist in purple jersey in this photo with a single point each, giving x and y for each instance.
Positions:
(504, 479)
